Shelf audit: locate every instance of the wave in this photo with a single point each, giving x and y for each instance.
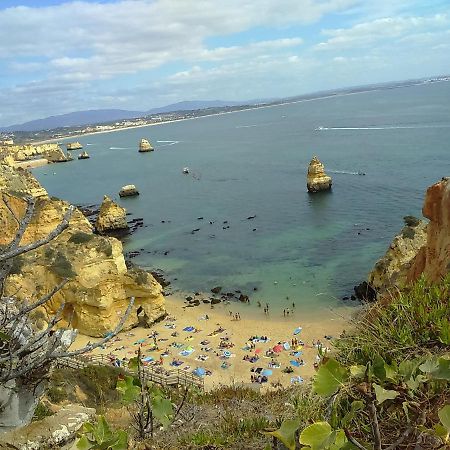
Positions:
(387, 127)
(119, 148)
(248, 126)
(346, 172)
(167, 143)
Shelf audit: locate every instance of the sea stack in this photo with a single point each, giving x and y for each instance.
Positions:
(74, 146)
(317, 179)
(145, 146)
(111, 217)
(128, 191)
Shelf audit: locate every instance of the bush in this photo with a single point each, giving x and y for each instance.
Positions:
(42, 411)
(408, 233)
(80, 237)
(62, 267)
(56, 394)
(411, 221)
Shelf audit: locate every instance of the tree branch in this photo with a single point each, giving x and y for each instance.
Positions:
(39, 243)
(353, 440)
(375, 425)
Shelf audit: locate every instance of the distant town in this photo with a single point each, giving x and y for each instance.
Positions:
(52, 135)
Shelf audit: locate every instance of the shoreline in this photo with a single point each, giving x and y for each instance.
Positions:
(262, 106)
(232, 368)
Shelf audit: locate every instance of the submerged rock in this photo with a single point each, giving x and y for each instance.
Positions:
(145, 146)
(111, 217)
(317, 179)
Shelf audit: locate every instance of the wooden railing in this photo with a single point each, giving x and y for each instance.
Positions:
(167, 378)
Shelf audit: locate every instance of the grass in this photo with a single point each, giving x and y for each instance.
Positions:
(410, 324)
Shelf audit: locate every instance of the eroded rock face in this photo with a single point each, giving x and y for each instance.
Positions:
(111, 217)
(433, 260)
(51, 152)
(317, 179)
(100, 284)
(145, 146)
(393, 268)
(74, 146)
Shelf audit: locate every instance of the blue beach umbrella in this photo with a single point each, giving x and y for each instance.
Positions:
(297, 331)
(199, 371)
(266, 372)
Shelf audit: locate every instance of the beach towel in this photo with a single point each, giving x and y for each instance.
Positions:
(147, 359)
(189, 329)
(295, 363)
(297, 354)
(176, 363)
(297, 331)
(286, 346)
(297, 379)
(199, 371)
(266, 372)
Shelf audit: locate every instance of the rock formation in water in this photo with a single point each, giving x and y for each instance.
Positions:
(128, 191)
(433, 259)
(51, 152)
(317, 179)
(111, 217)
(100, 284)
(74, 146)
(145, 146)
(392, 269)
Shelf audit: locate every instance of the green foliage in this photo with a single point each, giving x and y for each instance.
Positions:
(444, 416)
(99, 436)
(56, 394)
(61, 266)
(128, 389)
(80, 237)
(330, 377)
(411, 221)
(408, 233)
(41, 411)
(384, 394)
(286, 433)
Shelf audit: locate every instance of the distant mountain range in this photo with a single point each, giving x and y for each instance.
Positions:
(95, 116)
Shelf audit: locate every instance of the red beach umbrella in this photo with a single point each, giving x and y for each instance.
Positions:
(278, 348)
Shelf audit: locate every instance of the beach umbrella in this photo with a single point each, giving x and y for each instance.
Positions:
(258, 350)
(278, 348)
(200, 371)
(297, 331)
(266, 372)
(226, 353)
(286, 346)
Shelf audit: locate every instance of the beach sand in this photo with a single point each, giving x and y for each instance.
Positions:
(253, 322)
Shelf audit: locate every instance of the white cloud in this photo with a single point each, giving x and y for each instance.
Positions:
(367, 33)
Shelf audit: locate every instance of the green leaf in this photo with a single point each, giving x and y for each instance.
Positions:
(391, 372)
(429, 365)
(444, 332)
(128, 389)
(339, 440)
(384, 394)
(329, 378)
(358, 371)
(378, 368)
(83, 444)
(163, 410)
(408, 368)
(443, 370)
(317, 435)
(444, 416)
(440, 431)
(286, 433)
(121, 441)
(102, 432)
(357, 405)
(133, 364)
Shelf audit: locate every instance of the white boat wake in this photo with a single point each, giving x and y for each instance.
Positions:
(346, 172)
(247, 126)
(119, 148)
(167, 143)
(387, 127)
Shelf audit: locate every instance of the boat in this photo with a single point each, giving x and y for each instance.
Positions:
(83, 155)
(186, 170)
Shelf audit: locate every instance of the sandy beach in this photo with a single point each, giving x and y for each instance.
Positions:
(220, 343)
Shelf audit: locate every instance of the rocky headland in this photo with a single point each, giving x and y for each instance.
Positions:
(420, 248)
(100, 284)
(317, 179)
(20, 155)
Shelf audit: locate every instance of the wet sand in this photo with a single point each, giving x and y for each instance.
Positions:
(237, 333)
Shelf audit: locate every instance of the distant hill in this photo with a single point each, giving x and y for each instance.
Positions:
(95, 116)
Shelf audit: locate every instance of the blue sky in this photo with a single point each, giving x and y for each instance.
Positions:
(63, 56)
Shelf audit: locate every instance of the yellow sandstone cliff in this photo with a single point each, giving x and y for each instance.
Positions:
(317, 179)
(100, 284)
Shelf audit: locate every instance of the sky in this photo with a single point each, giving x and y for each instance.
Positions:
(63, 56)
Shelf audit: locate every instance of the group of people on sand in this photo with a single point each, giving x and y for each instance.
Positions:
(234, 316)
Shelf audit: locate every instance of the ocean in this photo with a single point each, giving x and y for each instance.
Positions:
(310, 249)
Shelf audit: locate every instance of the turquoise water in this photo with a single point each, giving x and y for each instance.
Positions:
(315, 247)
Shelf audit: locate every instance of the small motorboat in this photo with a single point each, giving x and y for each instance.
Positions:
(186, 170)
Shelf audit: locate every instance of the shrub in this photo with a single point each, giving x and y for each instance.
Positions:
(81, 237)
(408, 233)
(411, 221)
(41, 411)
(56, 394)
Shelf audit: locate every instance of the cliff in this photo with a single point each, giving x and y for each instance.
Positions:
(317, 179)
(51, 152)
(433, 260)
(100, 284)
(419, 248)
